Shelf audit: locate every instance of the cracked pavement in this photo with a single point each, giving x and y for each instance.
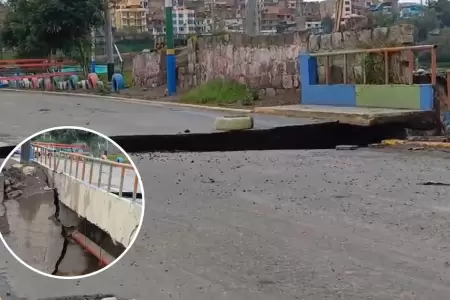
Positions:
(279, 225)
(23, 114)
(255, 225)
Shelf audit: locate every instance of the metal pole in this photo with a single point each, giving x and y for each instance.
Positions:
(108, 41)
(25, 153)
(171, 63)
(93, 50)
(213, 16)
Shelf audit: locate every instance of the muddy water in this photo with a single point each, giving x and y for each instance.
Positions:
(36, 239)
(77, 261)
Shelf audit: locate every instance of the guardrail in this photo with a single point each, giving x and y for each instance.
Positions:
(64, 147)
(59, 145)
(52, 159)
(31, 63)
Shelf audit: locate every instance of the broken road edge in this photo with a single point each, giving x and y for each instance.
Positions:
(346, 117)
(416, 144)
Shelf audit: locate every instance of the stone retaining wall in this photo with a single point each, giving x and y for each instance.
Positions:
(270, 63)
(149, 69)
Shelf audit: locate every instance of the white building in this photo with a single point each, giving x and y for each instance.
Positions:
(204, 25)
(291, 4)
(183, 20)
(234, 25)
(314, 26)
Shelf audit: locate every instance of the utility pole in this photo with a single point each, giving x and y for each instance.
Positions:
(171, 59)
(252, 17)
(25, 153)
(213, 16)
(93, 65)
(299, 12)
(108, 41)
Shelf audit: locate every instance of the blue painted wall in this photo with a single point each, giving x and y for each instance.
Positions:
(313, 93)
(426, 97)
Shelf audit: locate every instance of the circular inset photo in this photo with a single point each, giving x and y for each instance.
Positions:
(71, 202)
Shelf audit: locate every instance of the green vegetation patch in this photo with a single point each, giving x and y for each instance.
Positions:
(221, 92)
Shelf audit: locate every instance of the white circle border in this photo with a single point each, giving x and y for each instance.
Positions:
(140, 222)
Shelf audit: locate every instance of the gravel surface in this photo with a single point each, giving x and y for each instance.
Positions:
(279, 225)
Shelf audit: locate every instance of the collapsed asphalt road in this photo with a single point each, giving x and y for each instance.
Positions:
(23, 114)
(282, 224)
(308, 136)
(279, 225)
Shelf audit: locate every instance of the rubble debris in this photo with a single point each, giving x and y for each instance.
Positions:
(13, 194)
(13, 184)
(416, 148)
(376, 146)
(28, 170)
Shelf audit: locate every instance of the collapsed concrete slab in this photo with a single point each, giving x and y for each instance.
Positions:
(119, 217)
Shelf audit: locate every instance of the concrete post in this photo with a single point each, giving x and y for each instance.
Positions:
(93, 65)
(171, 59)
(2, 188)
(25, 153)
(109, 42)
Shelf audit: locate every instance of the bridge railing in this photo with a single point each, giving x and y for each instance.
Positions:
(82, 167)
(60, 146)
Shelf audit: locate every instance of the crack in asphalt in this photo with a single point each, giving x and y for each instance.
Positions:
(132, 233)
(57, 220)
(300, 137)
(63, 250)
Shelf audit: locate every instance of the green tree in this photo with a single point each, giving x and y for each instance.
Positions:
(16, 31)
(67, 136)
(442, 10)
(39, 28)
(443, 42)
(75, 136)
(424, 24)
(380, 19)
(281, 27)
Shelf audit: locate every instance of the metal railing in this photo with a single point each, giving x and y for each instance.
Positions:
(76, 165)
(59, 145)
(386, 52)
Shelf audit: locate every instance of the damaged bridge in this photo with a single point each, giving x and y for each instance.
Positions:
(69, 214)
(105, 193)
